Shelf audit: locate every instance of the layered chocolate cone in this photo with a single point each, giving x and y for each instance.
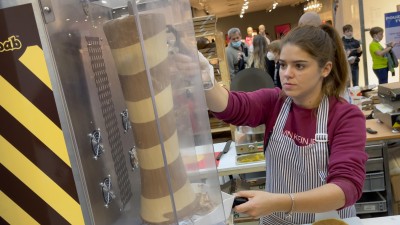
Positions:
(122, 36)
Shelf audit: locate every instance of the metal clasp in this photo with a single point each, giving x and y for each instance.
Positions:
(320, 137)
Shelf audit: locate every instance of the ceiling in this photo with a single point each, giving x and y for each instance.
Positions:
(224, 8)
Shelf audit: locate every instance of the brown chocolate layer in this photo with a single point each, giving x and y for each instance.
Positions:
(186, 212)
(155, 182)
(152, 158)
(143, 111)
(145, 134)
(123, 32)
(136, 88)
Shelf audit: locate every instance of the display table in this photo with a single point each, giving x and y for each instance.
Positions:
(228, 166)
(384, 132)
(386, 220)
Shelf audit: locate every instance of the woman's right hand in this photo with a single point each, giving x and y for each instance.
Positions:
(189, 66)
(207, 72)
(262, 203)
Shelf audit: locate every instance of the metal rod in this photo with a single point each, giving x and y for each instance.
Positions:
(363, 40)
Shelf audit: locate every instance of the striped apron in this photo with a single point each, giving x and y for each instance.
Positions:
(292, 168)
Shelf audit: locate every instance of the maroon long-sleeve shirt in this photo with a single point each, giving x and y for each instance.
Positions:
(346, 132)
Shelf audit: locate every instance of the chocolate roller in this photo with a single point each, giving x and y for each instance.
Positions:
(122, 36)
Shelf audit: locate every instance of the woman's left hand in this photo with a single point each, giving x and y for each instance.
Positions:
(262, 203)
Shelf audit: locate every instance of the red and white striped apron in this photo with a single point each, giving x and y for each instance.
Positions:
(292, 168)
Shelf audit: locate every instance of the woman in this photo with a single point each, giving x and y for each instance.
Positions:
(258, 58)
(379, 60)
(315, 157)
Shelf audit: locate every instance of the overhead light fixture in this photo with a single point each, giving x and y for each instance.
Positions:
(274, 5)
(244, 8)
(312, 6)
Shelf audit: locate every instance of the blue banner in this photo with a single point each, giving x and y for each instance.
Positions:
(392, 30)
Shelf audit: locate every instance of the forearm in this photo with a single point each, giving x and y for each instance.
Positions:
(217, 98)
(384, 51)
(325, 198)
(245, 58)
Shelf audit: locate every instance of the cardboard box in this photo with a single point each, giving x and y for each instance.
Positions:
(396, 209)
(394, 170)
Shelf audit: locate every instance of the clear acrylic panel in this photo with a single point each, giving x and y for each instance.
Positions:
(142, 56)
(160, 90)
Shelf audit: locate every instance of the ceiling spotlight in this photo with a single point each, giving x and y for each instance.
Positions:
(313, 6)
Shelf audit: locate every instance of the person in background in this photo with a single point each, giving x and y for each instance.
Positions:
(270, 63)
(261, 31)
(249, 37)
(274, 49)
(314, 140)
(329, 22)
(236, 52)
(310, 18)
(258, 57)
(379, 61)
(353, 51)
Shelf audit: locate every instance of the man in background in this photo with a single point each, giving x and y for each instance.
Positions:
(353, 51)
(249, 37)
(310, 18)
(236, 52)
(261, 31)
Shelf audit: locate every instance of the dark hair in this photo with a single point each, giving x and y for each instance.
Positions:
(259, 51)
(347, 27)
(323, 44)
(375, 30)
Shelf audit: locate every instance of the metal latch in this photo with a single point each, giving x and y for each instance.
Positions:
(126, 123)
(47, 10)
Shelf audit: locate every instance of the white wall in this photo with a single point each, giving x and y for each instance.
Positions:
(374, 10)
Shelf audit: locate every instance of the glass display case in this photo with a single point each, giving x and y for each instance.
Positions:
(114, 92)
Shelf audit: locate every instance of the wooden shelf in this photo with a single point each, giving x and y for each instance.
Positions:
(220, 129)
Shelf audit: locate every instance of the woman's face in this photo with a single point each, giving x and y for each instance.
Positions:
(301, 76)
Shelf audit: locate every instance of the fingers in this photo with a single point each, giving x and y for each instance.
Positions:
(247, 194)
(184, 62)
(204, 63)
(186, 66)
(181, 58)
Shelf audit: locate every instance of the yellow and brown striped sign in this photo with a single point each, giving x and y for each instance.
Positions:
(37, 183)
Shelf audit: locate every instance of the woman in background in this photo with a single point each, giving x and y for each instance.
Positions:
(258, 58)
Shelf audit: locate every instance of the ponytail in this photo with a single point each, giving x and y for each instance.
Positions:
(340, 68)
